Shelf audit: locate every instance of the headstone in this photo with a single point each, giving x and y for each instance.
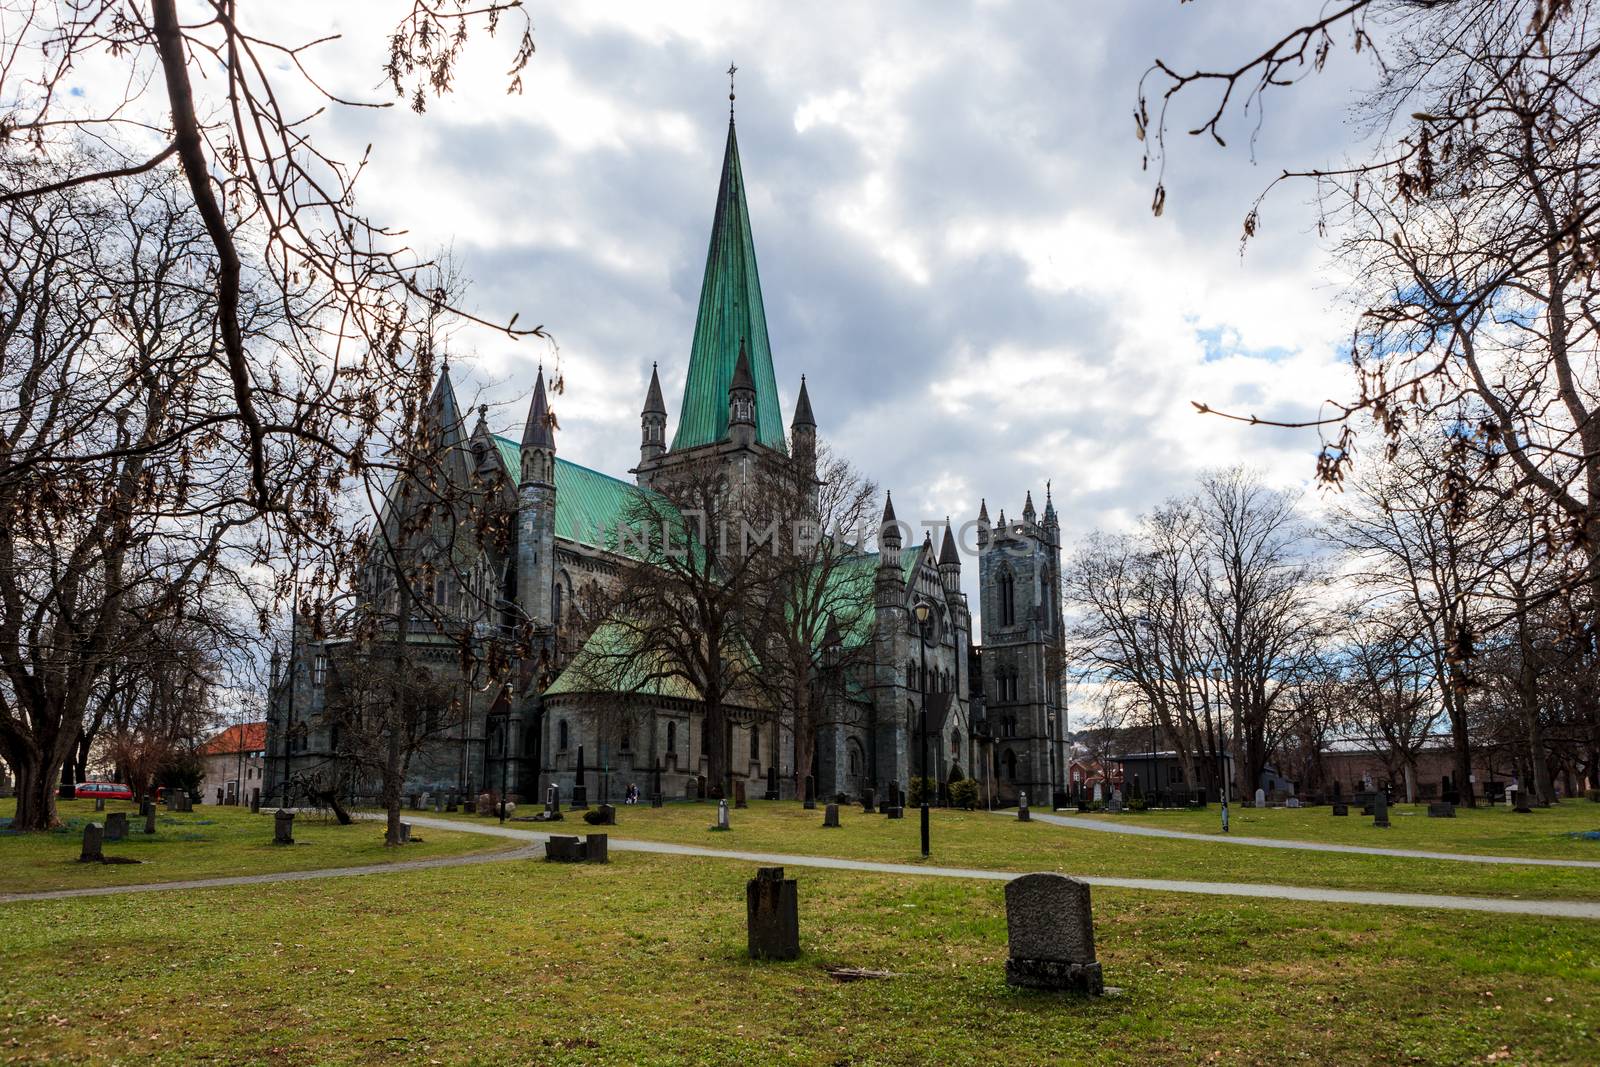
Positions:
(1022, 807)
(722, 815)
(1292, 802)
(562, 850)
(772, 915)
(1341, 809)
(691, 790)
(772, 782)
(414, 801)
(405, 833)
(810, 803)
(116, 826)
(185, 802)
(1380, 810)
(283, 827)
(450, 805)
(869, 800)
(93, 836)
(608, 815)
(1261, 798)
(700, 787)
(485, 804)
(552, 800)
(150, 821)
(255, 801)
(1050, 930)
(100, 803)
(738, 794)
(830, 816)
(1115, 804)
(896, 813)
(469, 806)
(1441, 811)
(1097, 793)
(595, 848)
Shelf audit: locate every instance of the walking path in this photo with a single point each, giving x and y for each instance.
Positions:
(1304, 846)
(1555, 908)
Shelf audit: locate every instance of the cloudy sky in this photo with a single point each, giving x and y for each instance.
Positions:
(951, 221)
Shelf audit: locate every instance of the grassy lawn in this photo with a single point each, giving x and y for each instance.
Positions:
(1547, 832)
(999, 842)
(212, 842)
(643, 962)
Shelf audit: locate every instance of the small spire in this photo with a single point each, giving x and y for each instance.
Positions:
(888, 507)
(1027, 507)
(983, 510)
(947, 551)
(536, 431)
(742, 378)
(802, 408)
(653, 403)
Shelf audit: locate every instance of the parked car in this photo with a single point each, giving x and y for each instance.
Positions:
(102, 791)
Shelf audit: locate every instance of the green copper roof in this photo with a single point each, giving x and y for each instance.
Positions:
(589, 505)
(730, 309)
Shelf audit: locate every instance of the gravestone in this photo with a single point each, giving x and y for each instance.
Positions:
(700, 787)
(450, 805)
(99, 803)
(691, 790)
(1022, 807)
(1261, 798)
(552, 801)
(896, 813)
(738, 794)
(469, 806)
(607, 814)
(1441, 811)
(1380, 810)
(1341, 809)
(830, 816)
(255, 801)
(869, 800)
(414, 802)
(722, 815)
(810, 802)
(405, 833)
(116, 826)
(596, 848)
(772, 915)
(1292, 802)
(562, 850)
(283, 827)
(150, 821)
(93, 837)
(772, 782)
(170, 799)
(1114, 806)
(1050, 931)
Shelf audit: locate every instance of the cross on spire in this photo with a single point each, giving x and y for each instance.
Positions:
(732, 70)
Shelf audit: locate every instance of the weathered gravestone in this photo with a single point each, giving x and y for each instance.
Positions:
(1441, 811)
(116, 826)
(283, 827)
(255, 801)
(896, 813)
(830, 816)
(1050, 929)
(606, 816)
(469, 806)
(1114, 805)
(150, 821)
(1261, 798)
(722, 815)
(1292, 802)
(596, 848)
(810, 801)
(869, 800)
(1341, 809)
(93, 838)
(738, 794)
(185, 802)
(772, 915)
(1022, 807)
(99, 803)
(691, 790)
(1380, 810)
(561, 849)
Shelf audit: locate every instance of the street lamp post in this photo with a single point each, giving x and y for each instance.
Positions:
(1222, 748)
(923, 612)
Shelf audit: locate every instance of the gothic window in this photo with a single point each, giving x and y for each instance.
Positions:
(755, 743)
(672, 737)
(911, 674)
(561, 735)
(1008, 765)
(319, 670)
(1008, 598)
(855, 761)
(955, 742)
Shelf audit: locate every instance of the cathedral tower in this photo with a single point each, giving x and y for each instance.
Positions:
(536, 512)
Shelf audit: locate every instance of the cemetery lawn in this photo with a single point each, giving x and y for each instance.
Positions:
(210, 842)
(999, 842)
(1498, 831)
(643, 961)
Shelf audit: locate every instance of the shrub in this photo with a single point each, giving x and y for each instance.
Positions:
(964, 793)
(955, 773)
(1138, 803)
(914, 794)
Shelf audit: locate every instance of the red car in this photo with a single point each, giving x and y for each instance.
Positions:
(102, 791)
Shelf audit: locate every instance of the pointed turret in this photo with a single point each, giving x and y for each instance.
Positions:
(983, 524)
(731, 313)
(1028, 514)
(652, 421)
(949, 561)
(803, 432)
(889, 535)
(1052, 525)
(538, 439)
(742, 402)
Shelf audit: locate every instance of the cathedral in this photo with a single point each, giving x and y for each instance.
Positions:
(995, 710)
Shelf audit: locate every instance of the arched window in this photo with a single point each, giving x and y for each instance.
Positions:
(911, 674)
(955, 742)
(755, 744)
(1008, 598)
(561, 735)
(855, 760)
(672, 737)
(1008, 765)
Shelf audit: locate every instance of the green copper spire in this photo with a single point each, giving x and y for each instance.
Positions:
(730, 311)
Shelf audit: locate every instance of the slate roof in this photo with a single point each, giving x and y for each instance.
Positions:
(588, 504)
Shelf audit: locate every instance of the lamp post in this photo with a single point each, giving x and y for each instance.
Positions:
(923, 613)
(1222, 748)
